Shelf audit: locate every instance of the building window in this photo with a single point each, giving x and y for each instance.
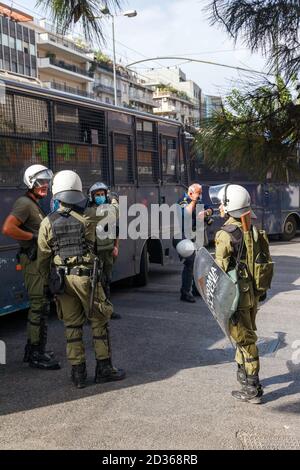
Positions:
(19, 45)
(5, 41)
(32, 49)
(12, 43)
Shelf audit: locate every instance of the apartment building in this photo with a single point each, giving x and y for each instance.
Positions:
(210, 104)
(136, 94)
(184, 100)
(62, 64)
(103, 87)
(18, 51)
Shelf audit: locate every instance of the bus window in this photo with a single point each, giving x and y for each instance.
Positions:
(169, 159)
(147, 155)
(31, 117)
(90, 162)
(122, 155)
(16, 155)
(66, 122)
(7, 125)
(80, 142)
(25, 117)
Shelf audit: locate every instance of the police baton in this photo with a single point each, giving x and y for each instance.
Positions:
(94, 280)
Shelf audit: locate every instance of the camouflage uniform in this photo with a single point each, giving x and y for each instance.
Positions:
(73, 303)
(242, 326)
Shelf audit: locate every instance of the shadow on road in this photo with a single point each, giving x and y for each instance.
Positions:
(157, 337)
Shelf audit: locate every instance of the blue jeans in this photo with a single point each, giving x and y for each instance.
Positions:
(187, 274)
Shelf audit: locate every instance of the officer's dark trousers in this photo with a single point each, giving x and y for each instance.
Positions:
(187, 274)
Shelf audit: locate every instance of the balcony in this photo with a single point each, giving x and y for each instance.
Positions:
(141, 98)
(62, 69)
(56, 44)
(172, 96)
(100, 88)
(68, 89)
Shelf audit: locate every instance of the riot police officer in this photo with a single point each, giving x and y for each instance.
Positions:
(67, 237)
(107, 247)
(235, 250)
(23, 225)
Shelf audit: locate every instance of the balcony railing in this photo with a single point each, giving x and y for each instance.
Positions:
(99, 87)
(140, 98)
(70, 67)
(68, 89)
(62, 42)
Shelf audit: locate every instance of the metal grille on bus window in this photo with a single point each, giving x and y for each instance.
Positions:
(74, 124)
(24, 116)
(183, 164)
(147, 155)
(16, 155)
(89, 161)
(123, 167)
(169, 159)
(7, 115)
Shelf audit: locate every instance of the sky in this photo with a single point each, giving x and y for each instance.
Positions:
(175, 28)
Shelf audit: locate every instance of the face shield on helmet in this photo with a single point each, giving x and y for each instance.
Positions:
(42, 178)
(235, 199)
(216, 193)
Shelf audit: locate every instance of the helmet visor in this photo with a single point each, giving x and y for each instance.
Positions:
(42, 178)
(217, 193)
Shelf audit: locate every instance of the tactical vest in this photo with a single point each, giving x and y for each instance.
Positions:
(68, 235)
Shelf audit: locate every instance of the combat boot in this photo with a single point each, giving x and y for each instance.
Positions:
(41, 360)
(251, 392)
(79, 375)
(241, 375)
(115, 316)
(27, 351)
(105, 372)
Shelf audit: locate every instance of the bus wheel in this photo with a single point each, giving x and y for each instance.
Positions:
(289, 229)
(142, 278)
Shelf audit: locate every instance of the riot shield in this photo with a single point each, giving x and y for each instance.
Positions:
(219, 291)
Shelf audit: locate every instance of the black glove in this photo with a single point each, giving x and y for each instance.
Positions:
(263, 297)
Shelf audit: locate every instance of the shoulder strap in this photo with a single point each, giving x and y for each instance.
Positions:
(35, 203)
(237, 238)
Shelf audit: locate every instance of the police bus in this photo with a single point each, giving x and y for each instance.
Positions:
(136, 154)
(142, 156)
(277, 205)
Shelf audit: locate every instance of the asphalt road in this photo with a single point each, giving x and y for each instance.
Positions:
(180, 373)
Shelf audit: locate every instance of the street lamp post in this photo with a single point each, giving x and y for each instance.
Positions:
(129, 14)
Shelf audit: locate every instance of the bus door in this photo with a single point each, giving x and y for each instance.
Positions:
(124, 184)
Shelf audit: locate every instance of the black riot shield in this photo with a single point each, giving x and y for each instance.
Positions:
(219, 290)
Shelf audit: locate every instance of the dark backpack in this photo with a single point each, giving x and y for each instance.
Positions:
(261, 267)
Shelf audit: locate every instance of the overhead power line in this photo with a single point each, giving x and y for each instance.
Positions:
(198, 60)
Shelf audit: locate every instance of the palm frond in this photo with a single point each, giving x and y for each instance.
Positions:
(65, 14)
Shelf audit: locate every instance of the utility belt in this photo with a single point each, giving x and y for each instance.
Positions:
(75, 271)
(58, 273)
(30, 252)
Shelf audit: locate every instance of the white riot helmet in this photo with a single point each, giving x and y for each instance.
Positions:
(67, 187)
(37, 175)
(96, 187)
(185, 248)
(235, 199)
